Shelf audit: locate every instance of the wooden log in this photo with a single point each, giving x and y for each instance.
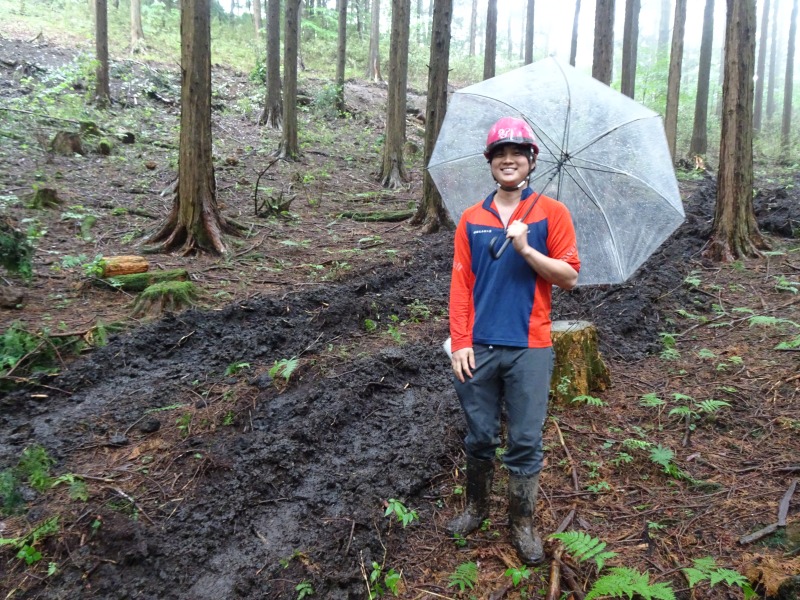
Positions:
(167, 296)
(137, 282)
(579, 367)
(112, 266)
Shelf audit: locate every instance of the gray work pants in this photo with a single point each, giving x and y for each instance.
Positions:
(518, 378)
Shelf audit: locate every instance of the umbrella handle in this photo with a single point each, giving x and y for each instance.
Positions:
(494, 251)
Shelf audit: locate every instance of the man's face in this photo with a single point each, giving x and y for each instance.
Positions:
(511, 164)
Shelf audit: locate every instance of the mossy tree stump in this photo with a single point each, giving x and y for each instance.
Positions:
(158, 298)
(137, 282)
(579, 369)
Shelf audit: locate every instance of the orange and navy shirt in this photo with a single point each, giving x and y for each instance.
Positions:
(503, 301)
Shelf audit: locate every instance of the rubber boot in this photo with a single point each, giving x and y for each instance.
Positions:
(522, 493)
(479, 487)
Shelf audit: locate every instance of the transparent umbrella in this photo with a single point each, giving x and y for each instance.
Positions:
(602, 154)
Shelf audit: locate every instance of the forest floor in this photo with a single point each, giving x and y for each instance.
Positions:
(192, 468)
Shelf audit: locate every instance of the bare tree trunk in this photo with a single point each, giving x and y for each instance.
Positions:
(473, 27)
(762, 64)
(341, 52)
(272, 116)
(630, 46)
(194, 224)
(699, 144)
(603, 60)
(431, 212)
(573, 47)
(102, 93)
(735, 231)
(786, 123)
(290, 148)
(393, 170)
(529, 33)
(490, 48)
(674, 79)
(257, 17)
(773, 59)
(137, 33)
(374, 60)
(663, 28)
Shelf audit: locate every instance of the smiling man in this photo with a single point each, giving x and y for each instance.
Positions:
(502, 355)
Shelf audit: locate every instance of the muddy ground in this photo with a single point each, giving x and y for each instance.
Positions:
(207, 481)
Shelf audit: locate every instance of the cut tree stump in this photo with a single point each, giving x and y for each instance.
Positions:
(167, 296)
(113, 266)
(137, 282)
(579, 368)
(43, 197)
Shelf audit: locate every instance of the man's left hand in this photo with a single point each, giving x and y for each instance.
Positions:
(518, 234)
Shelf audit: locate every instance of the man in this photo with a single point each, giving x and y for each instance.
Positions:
(500, 328)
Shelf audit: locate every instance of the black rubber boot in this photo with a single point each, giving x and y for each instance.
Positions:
(479, 487)
(522, 493)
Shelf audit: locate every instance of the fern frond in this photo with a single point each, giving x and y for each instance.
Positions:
(711, 406)
(464, 577)
(661, 455)
(582, 547)
(624, 582)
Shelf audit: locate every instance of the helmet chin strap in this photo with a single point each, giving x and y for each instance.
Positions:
(523, 183)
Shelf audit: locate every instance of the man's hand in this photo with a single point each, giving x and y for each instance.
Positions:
(518, 234)
(463, 362)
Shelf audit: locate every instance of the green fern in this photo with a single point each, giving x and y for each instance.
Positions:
(790, 345)
(624, 582)
(711, 406)
(465, 576)
(582, 547)
(590, 400)
(661, 455)
(706, 569)
(651, 400)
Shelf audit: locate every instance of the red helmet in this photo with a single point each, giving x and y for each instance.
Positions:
(510, 130)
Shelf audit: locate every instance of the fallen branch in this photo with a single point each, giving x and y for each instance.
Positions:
(388, 216)
(575, 483)
(783, 511)
(554, 591)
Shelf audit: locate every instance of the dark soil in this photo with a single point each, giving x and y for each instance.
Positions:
(207, 481)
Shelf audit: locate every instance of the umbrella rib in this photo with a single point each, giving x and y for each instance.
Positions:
(586, 190)
(609, 132)
(614, 171)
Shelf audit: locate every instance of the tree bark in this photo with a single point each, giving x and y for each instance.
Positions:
(490, 46)
(674, 78)
(786, 123)
(290, 148)
(374, 60)
(773, 59)
(393, 170)
(735, 231)
(603, 59)
(341, 53)
(529, 32)
(257, 17)
(699, 144)
(573, 47)
(102, 93)
(272, 116)
(663, 28)
(194, 224)
(473, 27)
(431, 212)
(137, 33)
(761, 72)
(630, 46)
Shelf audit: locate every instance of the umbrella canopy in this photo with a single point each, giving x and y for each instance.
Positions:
(602, 154)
